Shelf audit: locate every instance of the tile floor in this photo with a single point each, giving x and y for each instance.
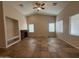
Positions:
(40, 48)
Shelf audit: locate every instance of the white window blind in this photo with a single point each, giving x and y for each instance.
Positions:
(74, 25)
(51, 27)
(31, 27)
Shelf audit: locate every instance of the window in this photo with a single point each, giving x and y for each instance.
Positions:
(59, 26)
(51, 27)
(31, 27)
(74, 25)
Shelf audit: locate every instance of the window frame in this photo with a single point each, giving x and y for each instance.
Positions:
(53, 29)
(70, 26)
(60, 23)
(33, 28)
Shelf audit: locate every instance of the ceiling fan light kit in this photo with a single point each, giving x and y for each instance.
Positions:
(39, 6)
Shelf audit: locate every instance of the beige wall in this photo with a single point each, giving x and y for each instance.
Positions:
(41, 24)
(71, 9)
(2, 31)
(11, 12)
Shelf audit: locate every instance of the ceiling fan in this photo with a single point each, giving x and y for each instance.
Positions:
(39, 5)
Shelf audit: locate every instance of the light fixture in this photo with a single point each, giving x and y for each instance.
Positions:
(38, 5)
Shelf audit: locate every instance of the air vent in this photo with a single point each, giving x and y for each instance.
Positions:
(54, 4)
(21, 5)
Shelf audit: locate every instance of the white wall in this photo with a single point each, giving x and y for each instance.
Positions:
(71, 9)
(11, 12)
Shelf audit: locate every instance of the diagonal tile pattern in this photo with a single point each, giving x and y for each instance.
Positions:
(40, 47)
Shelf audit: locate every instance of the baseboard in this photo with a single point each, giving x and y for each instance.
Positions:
(71, 44)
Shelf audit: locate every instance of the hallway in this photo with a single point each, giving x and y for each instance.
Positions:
(40, 47)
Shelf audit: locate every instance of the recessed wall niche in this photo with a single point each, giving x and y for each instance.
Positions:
(9, 29)
(12, 31)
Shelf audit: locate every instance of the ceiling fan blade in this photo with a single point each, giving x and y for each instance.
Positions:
(42, 4)
(37, 3)
(42, 8)
(34, 7)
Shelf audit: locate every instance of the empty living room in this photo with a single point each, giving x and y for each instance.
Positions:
(39, 29)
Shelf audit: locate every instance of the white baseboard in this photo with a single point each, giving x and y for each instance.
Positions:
(71, 44)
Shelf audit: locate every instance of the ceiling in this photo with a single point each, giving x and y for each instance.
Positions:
(27, 8)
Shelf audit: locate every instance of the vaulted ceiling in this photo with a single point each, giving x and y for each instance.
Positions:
(50, 9)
